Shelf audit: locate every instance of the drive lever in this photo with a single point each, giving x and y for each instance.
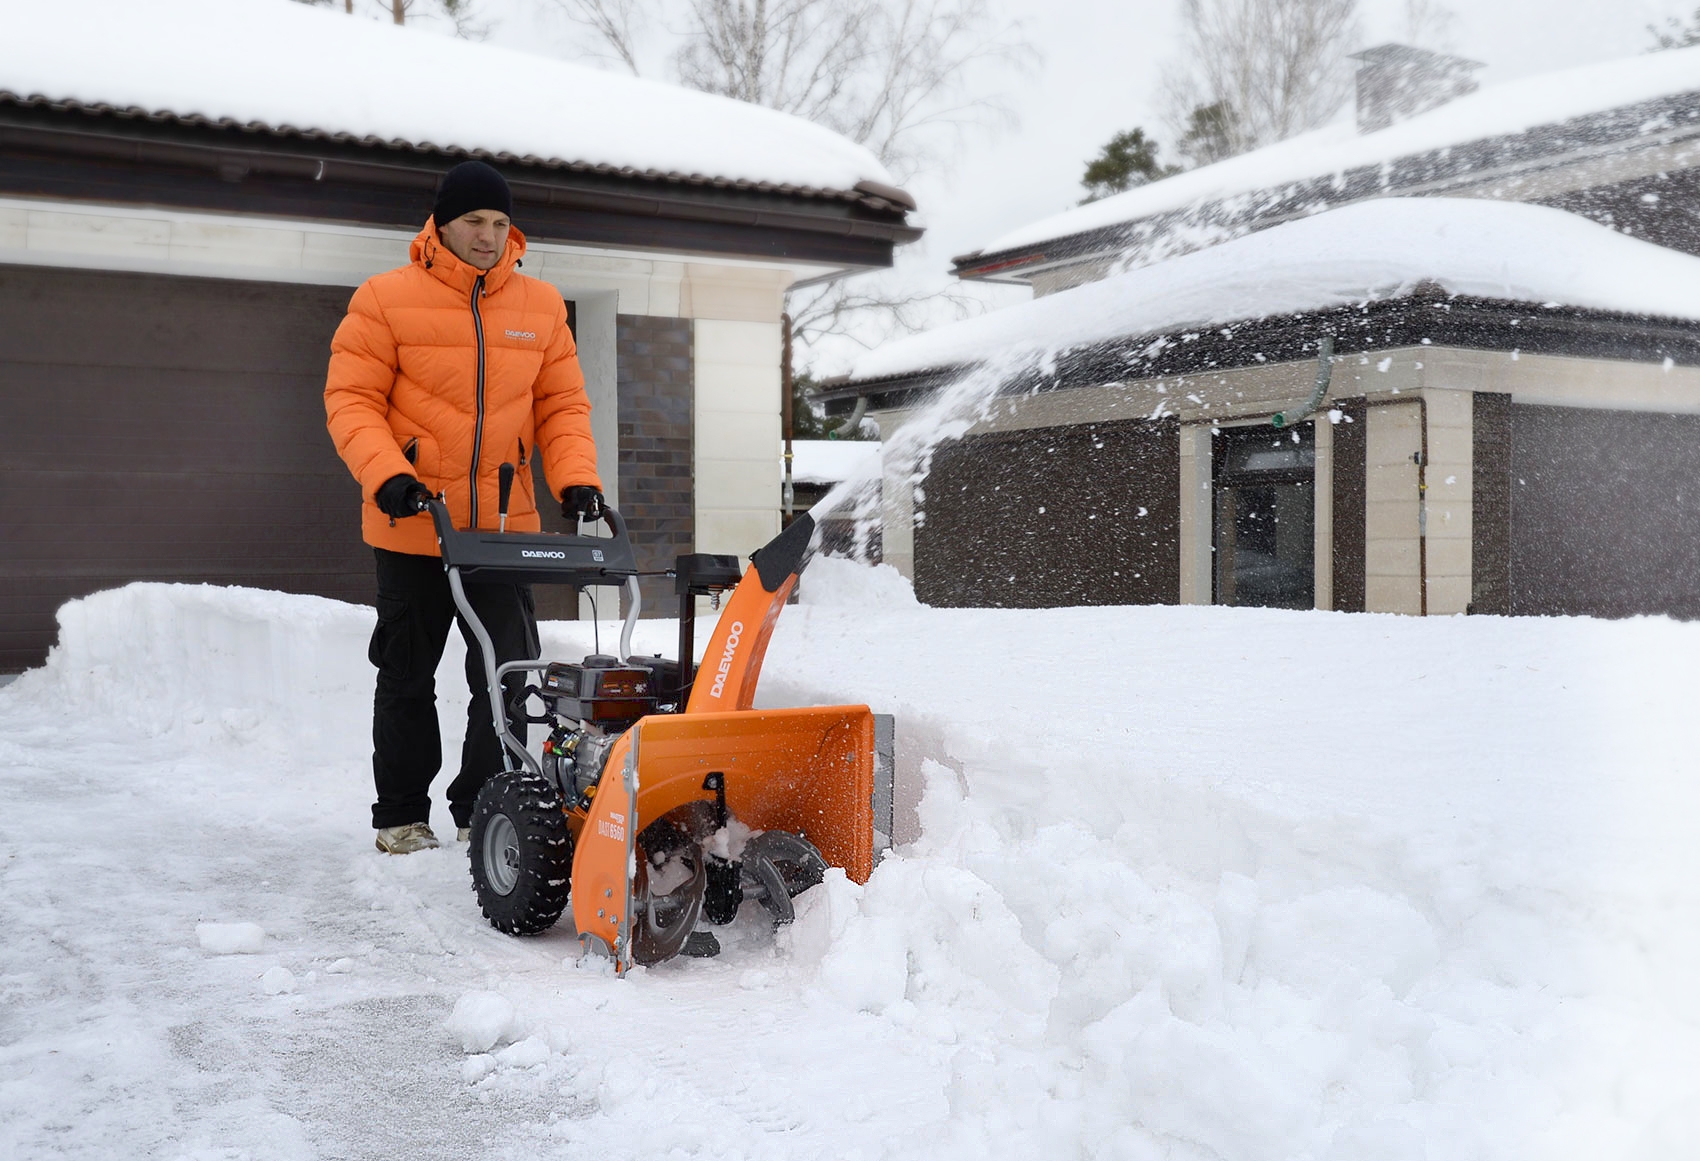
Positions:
(505, 487)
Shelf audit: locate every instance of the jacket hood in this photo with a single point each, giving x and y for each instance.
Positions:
(427, 251)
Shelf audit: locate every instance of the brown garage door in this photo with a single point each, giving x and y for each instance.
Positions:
(1057, 516)
(1604, 512)
(168, 429)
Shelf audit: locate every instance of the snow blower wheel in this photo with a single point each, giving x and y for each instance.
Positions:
(522, 853)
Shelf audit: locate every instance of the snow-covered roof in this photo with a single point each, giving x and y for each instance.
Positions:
(1497, 111)
(280, 66)
(1373, 250)
(832, 461)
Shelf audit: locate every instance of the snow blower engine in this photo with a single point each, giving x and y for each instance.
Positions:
(661, 800)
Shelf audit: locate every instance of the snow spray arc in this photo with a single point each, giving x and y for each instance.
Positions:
(906, 456)
(732, 638)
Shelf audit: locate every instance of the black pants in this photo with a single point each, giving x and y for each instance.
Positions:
(415, 609)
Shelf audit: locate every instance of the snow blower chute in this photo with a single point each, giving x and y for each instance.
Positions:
(661, 799)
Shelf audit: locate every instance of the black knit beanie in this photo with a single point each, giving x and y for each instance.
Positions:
(469, 186)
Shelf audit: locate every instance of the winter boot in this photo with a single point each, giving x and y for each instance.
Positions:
(463, 834)
(404, 840)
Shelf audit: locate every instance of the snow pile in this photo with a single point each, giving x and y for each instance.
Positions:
(832, 581)
(1496, 111)
(1371, 250)
(205, 662)
(1184, 883)
(280, 63)
(481, 1020)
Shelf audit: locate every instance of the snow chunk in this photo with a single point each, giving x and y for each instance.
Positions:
(526, 1054)
(277, 981)
(231, 938)
(481, 1020)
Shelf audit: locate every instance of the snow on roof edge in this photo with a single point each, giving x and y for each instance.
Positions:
(1378, 249)
(325, 74)
(1496, 111)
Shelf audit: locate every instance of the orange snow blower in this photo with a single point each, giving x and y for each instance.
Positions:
(661, 799)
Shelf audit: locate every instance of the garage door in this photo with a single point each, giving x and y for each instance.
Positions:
(1605, 512)
(1086, 515)
(167, 429)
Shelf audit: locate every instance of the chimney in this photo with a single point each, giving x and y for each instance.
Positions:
(1396, 81)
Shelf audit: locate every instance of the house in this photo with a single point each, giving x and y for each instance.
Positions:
(1616, 142)
(189, 191)
(1441, 360)
(1410, 405)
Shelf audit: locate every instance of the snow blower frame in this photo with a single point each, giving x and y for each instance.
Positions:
(636, 810)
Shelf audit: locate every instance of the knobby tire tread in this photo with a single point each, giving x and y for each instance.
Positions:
(545, 853)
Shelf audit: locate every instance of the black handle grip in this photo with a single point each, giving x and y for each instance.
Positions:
(505, 488)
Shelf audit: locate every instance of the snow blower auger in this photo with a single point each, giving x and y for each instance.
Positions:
(661, 799)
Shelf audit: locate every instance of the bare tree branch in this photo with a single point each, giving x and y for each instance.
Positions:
(1274, 67)
(617, 22)
(898, 76)
(888, 74)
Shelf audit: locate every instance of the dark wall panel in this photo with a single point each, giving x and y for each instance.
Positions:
(1086, 515)
(1605, 512)
(1490, 519)
(166, 429)
(1351, 444)
(657, 473)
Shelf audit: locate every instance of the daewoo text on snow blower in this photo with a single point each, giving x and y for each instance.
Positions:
(661, 798)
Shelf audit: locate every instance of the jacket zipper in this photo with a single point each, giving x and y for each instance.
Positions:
(478, 428)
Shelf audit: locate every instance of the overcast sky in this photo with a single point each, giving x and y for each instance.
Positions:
(1098, 75)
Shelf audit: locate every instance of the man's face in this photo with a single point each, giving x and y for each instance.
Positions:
(478, 238)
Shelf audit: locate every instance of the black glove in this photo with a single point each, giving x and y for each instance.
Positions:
(581, 502)
(401, 496)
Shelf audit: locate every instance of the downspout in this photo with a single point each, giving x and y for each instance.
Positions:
(788, 493)
(1324, 373)
(850, 426)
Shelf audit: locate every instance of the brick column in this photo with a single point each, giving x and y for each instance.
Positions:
(657, 479)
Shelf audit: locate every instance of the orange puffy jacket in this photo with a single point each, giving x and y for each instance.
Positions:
(447, 372)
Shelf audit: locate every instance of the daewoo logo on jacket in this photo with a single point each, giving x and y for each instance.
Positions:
(411, 364)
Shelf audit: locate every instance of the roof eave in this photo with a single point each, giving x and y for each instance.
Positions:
(1431, 317)
(63, 149)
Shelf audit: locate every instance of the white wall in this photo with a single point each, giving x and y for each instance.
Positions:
(737, 434)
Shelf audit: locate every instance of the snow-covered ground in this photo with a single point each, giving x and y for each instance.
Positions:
(1179, 883)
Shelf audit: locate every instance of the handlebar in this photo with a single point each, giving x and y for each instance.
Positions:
(536, 557)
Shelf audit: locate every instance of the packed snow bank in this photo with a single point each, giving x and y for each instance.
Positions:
(1373, 250)
(1188, 883)
(281, 64)
(1496, 111)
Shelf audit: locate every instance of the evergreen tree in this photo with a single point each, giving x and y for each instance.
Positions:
(1127, 161)
(1212, 133)
(1675, 33)
(810, 421)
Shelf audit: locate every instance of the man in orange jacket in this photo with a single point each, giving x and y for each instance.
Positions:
(444, 370)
